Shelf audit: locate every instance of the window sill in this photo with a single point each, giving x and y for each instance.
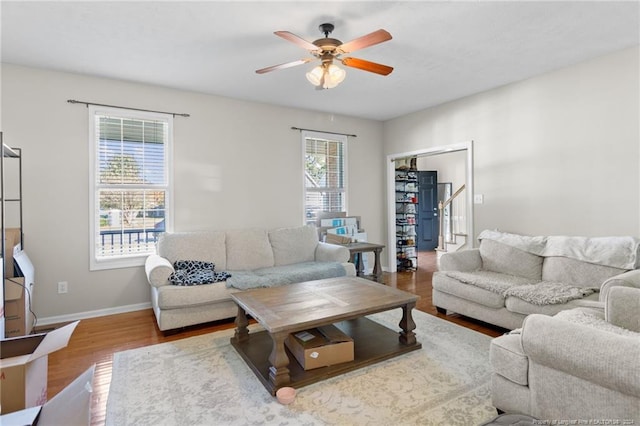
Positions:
(118, 262)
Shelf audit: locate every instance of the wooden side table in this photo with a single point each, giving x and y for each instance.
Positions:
(356, 250)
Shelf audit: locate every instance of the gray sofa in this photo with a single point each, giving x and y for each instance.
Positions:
(579, 365)
(511, 276)
(253, 257)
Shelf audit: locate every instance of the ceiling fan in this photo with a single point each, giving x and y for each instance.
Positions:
(328, 75)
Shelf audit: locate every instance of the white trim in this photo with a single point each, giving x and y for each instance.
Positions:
(130, 261)
(133, 260)
(58, 319)
(304, 134)
(391, 200)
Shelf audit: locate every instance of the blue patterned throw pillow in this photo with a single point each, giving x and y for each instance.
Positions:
(196, 272)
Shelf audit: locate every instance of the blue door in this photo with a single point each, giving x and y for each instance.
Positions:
(428, 224)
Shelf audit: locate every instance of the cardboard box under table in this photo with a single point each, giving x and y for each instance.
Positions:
(320, 347)
(23, 367)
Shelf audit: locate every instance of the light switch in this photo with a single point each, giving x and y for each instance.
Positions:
(478, 198)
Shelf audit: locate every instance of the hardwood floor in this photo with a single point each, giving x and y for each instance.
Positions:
(97, 339)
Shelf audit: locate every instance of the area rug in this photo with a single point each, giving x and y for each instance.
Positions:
(203, 381)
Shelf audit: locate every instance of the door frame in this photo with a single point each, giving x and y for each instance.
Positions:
(391, 200)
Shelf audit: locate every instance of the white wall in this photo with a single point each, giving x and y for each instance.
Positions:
(555, 154)
(237, 164)
(451, 167)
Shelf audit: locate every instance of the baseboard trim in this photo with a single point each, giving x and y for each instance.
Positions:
(58, 319)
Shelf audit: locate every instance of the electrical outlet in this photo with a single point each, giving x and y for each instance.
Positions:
(63, 287)
(478, 199)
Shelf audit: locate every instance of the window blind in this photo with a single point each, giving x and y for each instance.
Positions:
(131, 184)
(325, 175)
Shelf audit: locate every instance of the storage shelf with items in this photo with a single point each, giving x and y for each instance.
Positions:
(17, 288)
(406, 182)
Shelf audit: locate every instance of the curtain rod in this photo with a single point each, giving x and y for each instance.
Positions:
(73, 101)
(324, 131)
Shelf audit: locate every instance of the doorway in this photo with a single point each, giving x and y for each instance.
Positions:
(467, 149)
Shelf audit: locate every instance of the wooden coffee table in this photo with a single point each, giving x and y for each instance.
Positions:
(343, 302)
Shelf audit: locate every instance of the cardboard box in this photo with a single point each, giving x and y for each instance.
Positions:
(328, 215)
(23, 367)
(26, 417)
(336, 239)
(15, 308)
(320, 347)
(348, 230)
(336, 222)
(18, 316)
(11, 239)
(71, 406)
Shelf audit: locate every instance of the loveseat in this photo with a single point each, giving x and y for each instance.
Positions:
(252, 258)
(581, 365)
(511, 276)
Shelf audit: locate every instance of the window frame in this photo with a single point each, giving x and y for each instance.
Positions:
(309, 134)
(129, 260)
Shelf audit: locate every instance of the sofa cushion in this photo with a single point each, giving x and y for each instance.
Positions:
(449, 285)
(515, 304)
(208, 246)
(178, 297)
(294, 245)
(508, 359)
(248, 249)
(548, 293)
(285, 274)
(595, 318)
(623, 307)
(577, 272)
(488, 280)
(498, 257)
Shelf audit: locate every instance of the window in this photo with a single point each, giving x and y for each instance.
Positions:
(324, 174)
(130, 185)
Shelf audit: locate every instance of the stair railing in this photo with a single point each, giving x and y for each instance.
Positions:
(442, 243)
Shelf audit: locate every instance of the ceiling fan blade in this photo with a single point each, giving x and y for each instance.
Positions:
(283, 66)
(361, 64)
(364, 41)
(297, 40)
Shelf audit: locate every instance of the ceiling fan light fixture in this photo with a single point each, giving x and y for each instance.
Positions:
(334, 75)
(315, 75)
(326, 76)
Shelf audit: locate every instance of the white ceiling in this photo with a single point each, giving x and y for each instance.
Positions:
(440, 50)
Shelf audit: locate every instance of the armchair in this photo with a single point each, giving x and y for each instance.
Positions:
(581, 364)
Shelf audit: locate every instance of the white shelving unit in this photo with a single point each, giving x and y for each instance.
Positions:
(7, 199)
(406, 211)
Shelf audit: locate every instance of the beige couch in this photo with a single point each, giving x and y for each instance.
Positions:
(582, 364)
(253, 257)
(511, 276)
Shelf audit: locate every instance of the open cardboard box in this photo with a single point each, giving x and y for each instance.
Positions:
(14, 307)
(23, 367)
(320, 347)
(72, 406)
